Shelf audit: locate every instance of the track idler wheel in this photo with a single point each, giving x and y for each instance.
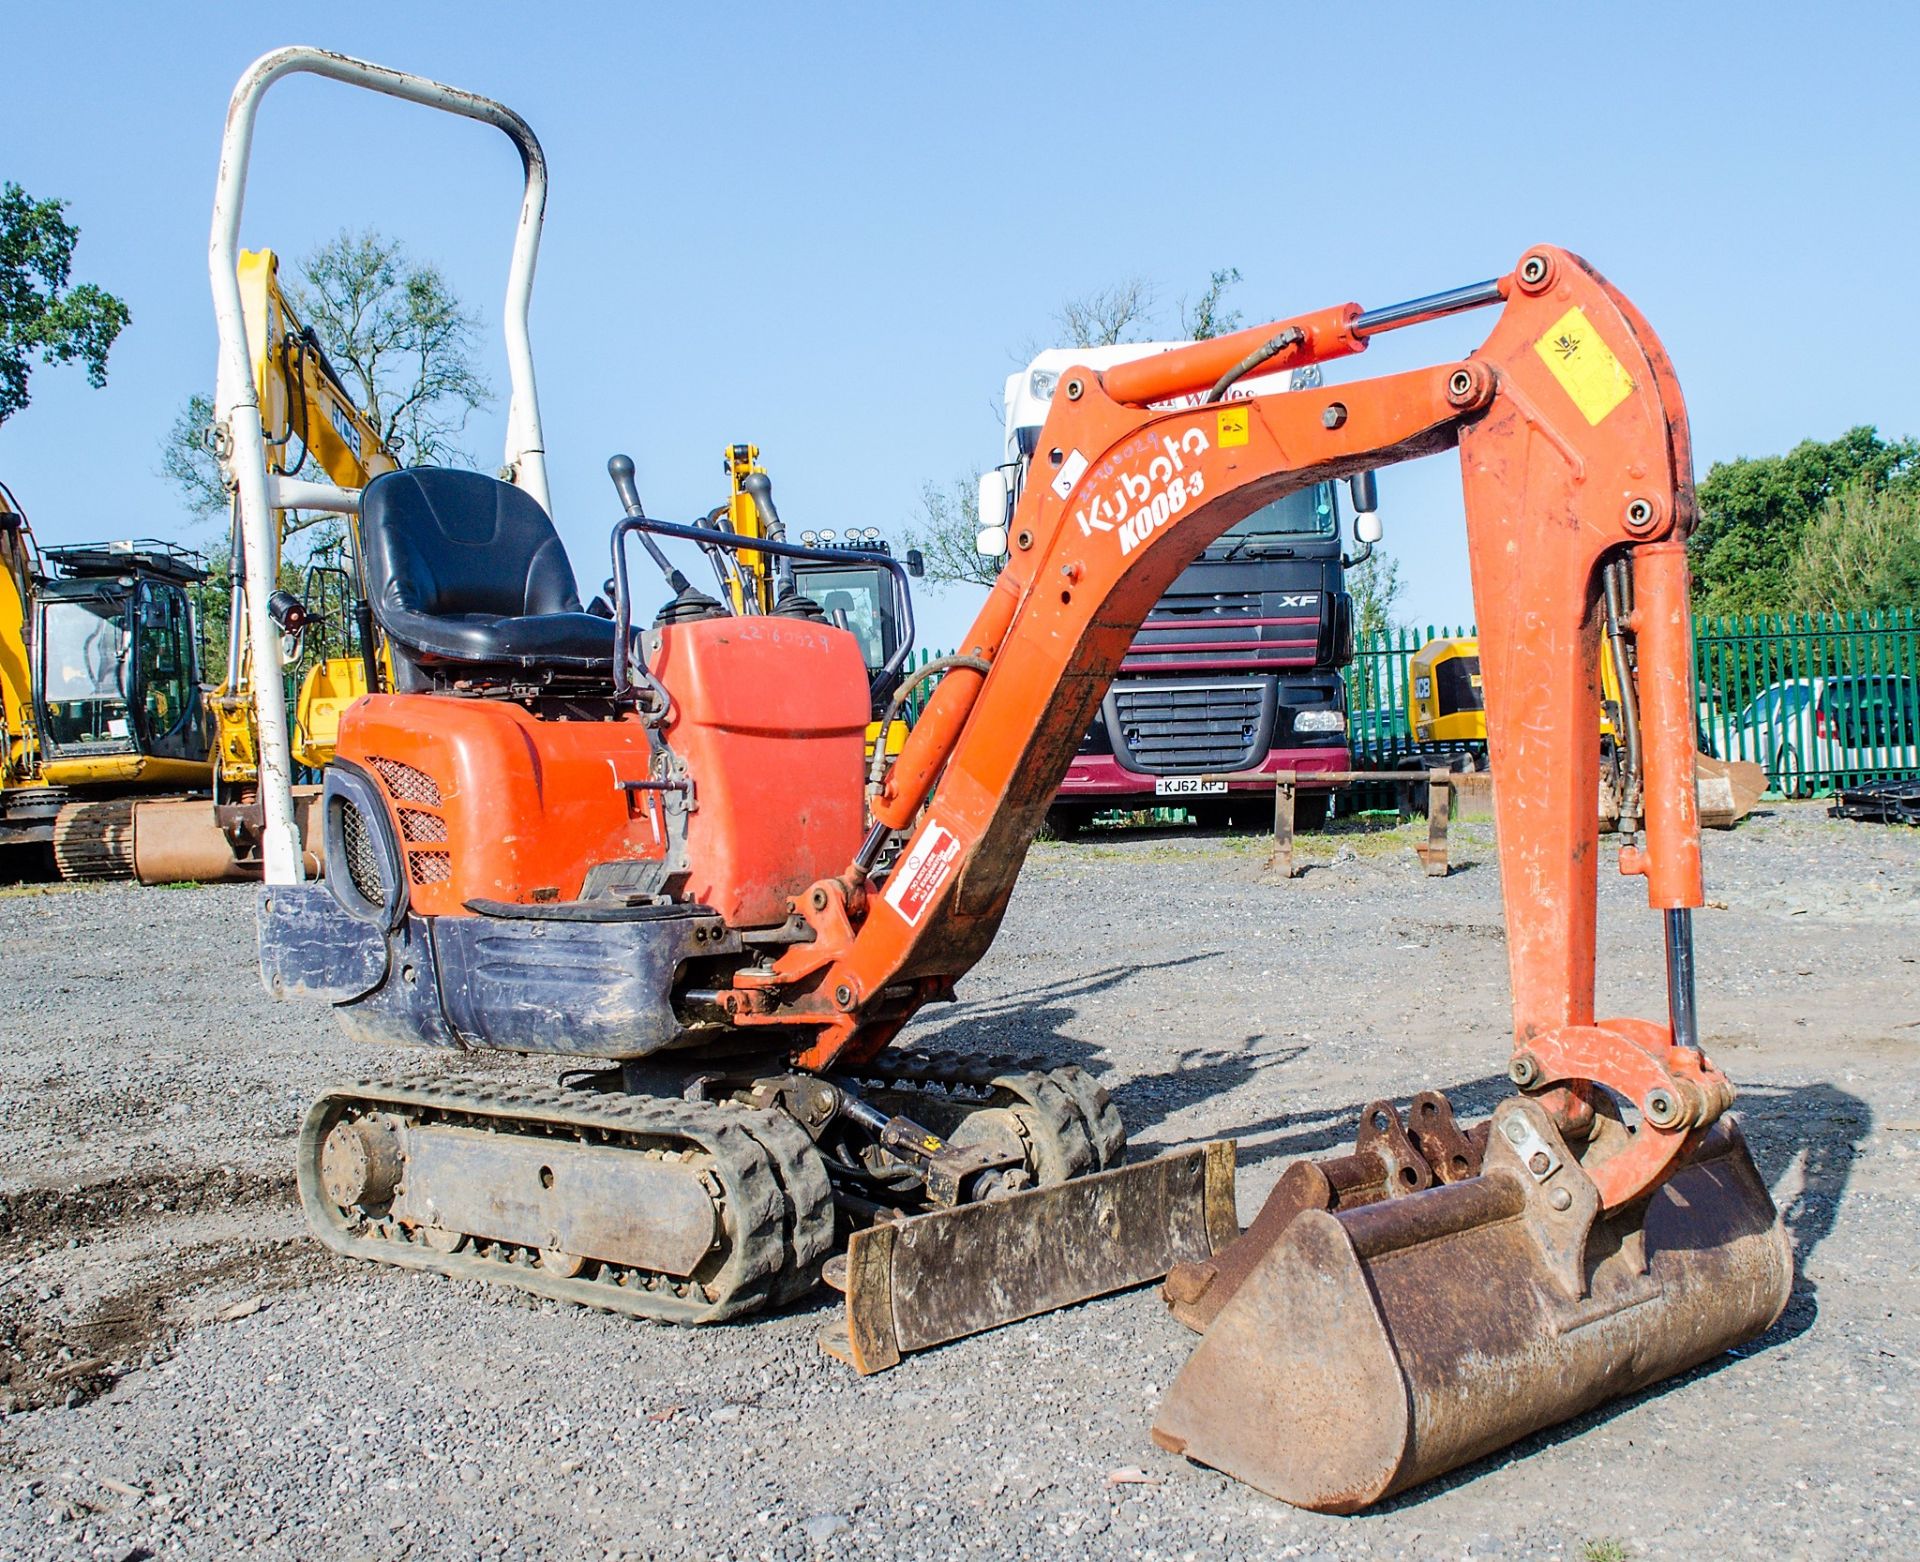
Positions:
(1371, 1343)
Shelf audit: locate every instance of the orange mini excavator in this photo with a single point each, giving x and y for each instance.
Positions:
(647, 850)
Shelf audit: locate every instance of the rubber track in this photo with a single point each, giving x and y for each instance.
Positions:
(777, 1210)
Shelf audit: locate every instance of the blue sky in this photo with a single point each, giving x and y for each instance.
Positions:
(830, 232)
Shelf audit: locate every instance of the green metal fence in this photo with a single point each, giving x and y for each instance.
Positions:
(1377, 701)
(1820, 700)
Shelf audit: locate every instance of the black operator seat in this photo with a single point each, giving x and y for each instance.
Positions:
(467, 577)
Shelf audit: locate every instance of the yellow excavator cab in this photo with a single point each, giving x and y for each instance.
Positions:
(1444, 699)
(1445, 703)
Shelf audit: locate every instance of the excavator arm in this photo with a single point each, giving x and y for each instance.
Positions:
(1574, 456)
(1432, 1296)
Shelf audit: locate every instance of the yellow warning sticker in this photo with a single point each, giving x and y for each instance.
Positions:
(1584, 365)
(1233, 426)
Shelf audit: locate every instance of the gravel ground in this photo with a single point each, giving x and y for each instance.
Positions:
(188, 1374)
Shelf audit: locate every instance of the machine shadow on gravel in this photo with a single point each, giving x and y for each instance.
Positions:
(1029, 1022)
(47, 1358)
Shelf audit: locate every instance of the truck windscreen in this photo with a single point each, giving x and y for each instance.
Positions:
(1306, 514)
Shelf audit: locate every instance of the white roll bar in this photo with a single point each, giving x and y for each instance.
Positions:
(243, 451)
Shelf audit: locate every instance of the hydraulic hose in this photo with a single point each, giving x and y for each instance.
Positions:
(1271, 348)
(878, 832)
(940, 664)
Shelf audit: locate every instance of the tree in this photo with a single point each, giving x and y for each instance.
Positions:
(39, 313)
(1754, 512)
(399, 338)
(186, 459)
(949, 522)
(1108, 316)
(1375, 587)
(1208, 318)
(949, 518)
(1862, 551)
(398, 334)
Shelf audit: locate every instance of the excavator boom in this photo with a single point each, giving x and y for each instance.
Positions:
(1574, 453)
(1610, 1229)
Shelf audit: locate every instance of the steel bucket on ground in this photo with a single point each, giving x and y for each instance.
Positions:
(1371, 1347)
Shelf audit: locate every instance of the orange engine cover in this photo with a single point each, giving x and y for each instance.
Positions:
(490, 802)
(770, 717)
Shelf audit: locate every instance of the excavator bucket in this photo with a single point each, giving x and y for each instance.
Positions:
(915, 1283)
(1728, 790)
(1379, 1330)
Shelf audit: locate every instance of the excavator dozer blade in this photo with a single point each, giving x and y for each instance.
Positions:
(915, 1283)
(1372, 1347)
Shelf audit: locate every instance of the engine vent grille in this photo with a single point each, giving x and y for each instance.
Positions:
(406, 784)
(430, 867)
(418, 826)
(363, 857)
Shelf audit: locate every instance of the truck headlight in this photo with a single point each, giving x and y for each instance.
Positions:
(1319, 721)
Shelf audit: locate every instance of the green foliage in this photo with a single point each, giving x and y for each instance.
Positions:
(1862, 551)
(1209, 317)
(185, 458)
(945, 532)
(315, 579)
(399, 338)
(1375, 587)
(1755, 511)
(398, 334)
(39, 313)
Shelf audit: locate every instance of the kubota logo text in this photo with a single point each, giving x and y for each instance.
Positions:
(1139, 503)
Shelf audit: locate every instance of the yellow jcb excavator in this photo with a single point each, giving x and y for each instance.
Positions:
(99, 697)
(1447, 715)
(115, 756)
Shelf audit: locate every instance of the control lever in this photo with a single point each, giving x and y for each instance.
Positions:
(620, 469)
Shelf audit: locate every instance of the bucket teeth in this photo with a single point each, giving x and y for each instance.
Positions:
(1387, 1162)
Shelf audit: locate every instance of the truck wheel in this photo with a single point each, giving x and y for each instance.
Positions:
(1066, 820)
(1310, 810)
(1250, 813)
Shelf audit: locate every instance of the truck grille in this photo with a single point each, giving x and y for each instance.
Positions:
(1183, 728)
(1227, 632)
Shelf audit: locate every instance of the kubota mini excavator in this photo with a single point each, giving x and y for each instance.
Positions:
(646, 851)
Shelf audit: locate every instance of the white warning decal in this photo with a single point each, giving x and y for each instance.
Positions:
(1069, 474)
(917, 877)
